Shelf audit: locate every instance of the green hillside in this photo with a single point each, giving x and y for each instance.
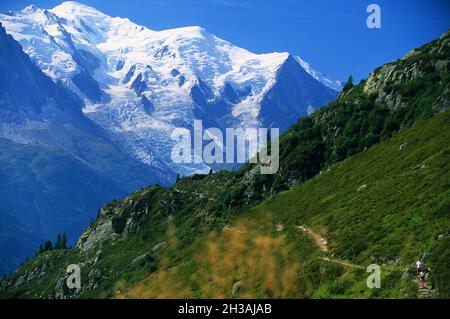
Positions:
(364, 180)
(402, 215)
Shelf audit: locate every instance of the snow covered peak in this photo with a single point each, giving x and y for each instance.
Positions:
(73, 38)
(31, 8)
(191, 31)
(93, 26)
(139, 84)
(333, 84)
(73, 8)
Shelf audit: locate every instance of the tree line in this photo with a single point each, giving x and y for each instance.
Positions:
(61, 243)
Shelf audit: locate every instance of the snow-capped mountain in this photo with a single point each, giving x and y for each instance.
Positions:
(139, 84)
(333, 84)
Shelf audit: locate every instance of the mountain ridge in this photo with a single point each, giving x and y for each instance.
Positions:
(140, 90)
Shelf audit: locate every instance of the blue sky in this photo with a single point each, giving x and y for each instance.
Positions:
(331, 35)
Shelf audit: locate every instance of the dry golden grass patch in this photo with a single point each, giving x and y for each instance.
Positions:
(239, 255)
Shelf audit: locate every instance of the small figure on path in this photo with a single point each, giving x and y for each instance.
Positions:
(419, 266)
(422, 276)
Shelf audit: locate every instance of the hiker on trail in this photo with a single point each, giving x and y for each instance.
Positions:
(419, 266)
(422, 276)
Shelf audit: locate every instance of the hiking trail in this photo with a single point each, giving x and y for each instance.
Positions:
(322, 244)
(424, 288)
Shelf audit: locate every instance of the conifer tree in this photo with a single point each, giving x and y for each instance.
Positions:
(63, 241)
(349, 84)
(58, 242)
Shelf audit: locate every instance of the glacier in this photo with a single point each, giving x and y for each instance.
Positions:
(140, 84)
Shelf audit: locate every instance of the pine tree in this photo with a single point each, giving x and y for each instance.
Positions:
(58, 242)
(48, 245)
(63, 241)
(349, 84)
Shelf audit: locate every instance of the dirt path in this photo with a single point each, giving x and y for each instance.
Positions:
(322, 244)
(319, 240)
(425, 290)
(342, 262)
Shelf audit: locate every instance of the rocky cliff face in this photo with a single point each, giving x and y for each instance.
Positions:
(386, 81)
(111, 222)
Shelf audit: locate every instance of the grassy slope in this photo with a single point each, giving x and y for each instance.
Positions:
(399, 216)
(392, 222)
